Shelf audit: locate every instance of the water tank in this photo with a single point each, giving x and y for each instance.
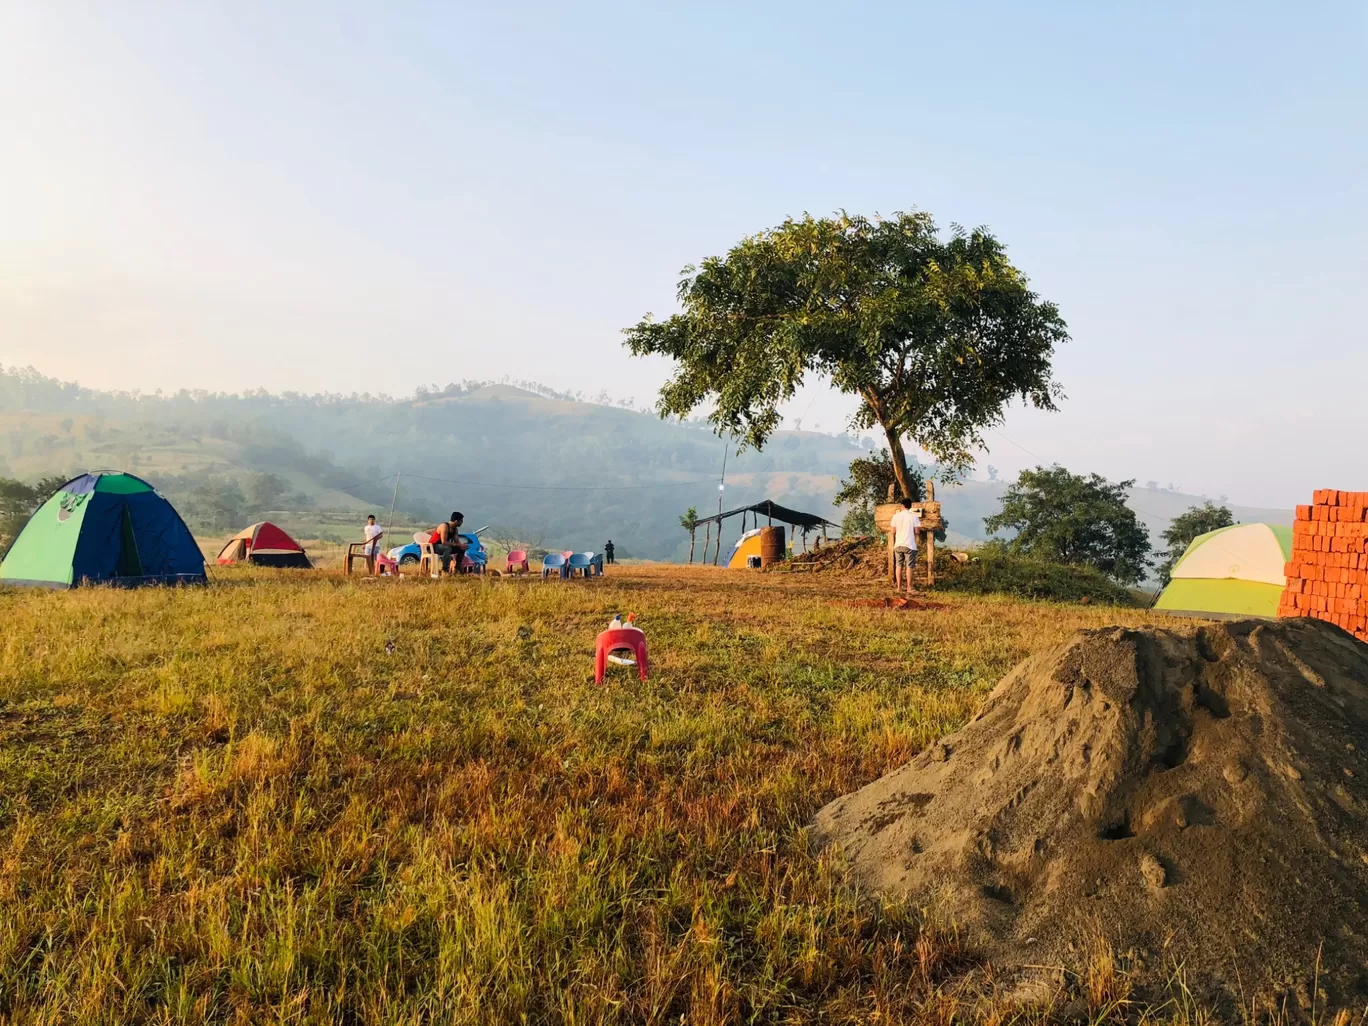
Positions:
(771, 545)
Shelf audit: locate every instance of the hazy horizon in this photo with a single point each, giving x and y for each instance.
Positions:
(340, 199)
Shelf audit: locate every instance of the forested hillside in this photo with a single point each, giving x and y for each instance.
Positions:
(545, 468)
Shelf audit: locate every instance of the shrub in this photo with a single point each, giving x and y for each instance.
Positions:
(993, 570)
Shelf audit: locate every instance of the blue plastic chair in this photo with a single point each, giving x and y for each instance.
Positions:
(582, 562)
(555, 561)
(597, 559)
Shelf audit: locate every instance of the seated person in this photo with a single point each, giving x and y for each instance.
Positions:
(447, 542)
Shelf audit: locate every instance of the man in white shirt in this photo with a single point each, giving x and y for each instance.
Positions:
(373, 534)
(905, 526)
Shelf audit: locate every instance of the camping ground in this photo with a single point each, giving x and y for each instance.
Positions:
(295, 796)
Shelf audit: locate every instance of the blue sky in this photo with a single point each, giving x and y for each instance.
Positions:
(336, 197)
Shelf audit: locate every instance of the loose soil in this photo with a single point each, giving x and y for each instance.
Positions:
(1189, 800)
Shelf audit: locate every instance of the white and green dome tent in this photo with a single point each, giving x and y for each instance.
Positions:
(1236, 571)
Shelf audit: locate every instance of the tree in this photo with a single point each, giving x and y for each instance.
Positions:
(19, 501)
(858, 521)
(935, 337)
(689, 521)
(1187, 526)
(868, 485)
(1076, 520)
(265, 491)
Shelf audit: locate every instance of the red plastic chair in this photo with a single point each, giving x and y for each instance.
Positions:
(517, 560)
(624, 638)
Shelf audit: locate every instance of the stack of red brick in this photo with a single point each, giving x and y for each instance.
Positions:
(1328, 575)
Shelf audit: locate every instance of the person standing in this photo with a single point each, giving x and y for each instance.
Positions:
(608, 551)
(374, 532)
(905, 526)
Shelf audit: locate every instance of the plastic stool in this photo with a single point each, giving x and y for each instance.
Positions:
(629, 638)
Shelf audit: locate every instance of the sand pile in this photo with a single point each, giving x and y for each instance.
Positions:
(1195, 797)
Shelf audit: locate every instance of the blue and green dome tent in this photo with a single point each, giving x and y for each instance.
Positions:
(103, 528)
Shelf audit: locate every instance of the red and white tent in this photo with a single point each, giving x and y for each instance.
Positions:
(264, 544)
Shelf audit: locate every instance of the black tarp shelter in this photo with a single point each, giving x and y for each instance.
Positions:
(773, 514)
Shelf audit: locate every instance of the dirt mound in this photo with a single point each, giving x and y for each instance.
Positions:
(862, 556)
(1193, 797)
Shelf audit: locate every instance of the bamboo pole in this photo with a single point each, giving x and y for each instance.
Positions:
(930, 540)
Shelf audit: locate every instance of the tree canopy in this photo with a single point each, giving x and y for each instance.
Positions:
(1076, 520)
(934, 336)
(1187, 526)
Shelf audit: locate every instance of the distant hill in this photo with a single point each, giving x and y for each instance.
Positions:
(542, 467)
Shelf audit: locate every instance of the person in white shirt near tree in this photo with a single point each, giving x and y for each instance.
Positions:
(905, 526)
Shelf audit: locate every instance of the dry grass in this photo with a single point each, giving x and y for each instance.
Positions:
(233, 804)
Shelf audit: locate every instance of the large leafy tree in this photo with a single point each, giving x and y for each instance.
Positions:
(1074, 519)
(934, 336)
(1187, 526)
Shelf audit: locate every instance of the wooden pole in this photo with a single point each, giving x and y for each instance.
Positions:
(930, 540)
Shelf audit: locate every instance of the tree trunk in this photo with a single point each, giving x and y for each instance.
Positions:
(691, 545)
(899, 457)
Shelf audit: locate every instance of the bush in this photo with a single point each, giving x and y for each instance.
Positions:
(994, 571)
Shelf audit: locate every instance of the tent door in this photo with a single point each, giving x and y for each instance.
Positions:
(129, 564)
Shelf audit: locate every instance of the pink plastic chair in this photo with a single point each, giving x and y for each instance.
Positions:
(567, 554)
(517, 561)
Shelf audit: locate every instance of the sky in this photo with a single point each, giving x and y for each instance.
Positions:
(363, 197)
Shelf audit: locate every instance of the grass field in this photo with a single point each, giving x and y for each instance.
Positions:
(298, 797)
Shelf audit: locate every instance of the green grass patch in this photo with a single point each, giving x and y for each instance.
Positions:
(298, 797)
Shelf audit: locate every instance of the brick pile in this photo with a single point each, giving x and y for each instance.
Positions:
(1328, 575)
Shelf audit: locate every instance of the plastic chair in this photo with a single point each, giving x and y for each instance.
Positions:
(517, 561)
(557, 562)
(428, 560)
(384, 566)
(628, 639)
(355, 551)
(582, 562)
(567, 554)
(597, 559)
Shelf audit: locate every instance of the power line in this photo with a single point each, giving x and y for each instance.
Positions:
(555, 488)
